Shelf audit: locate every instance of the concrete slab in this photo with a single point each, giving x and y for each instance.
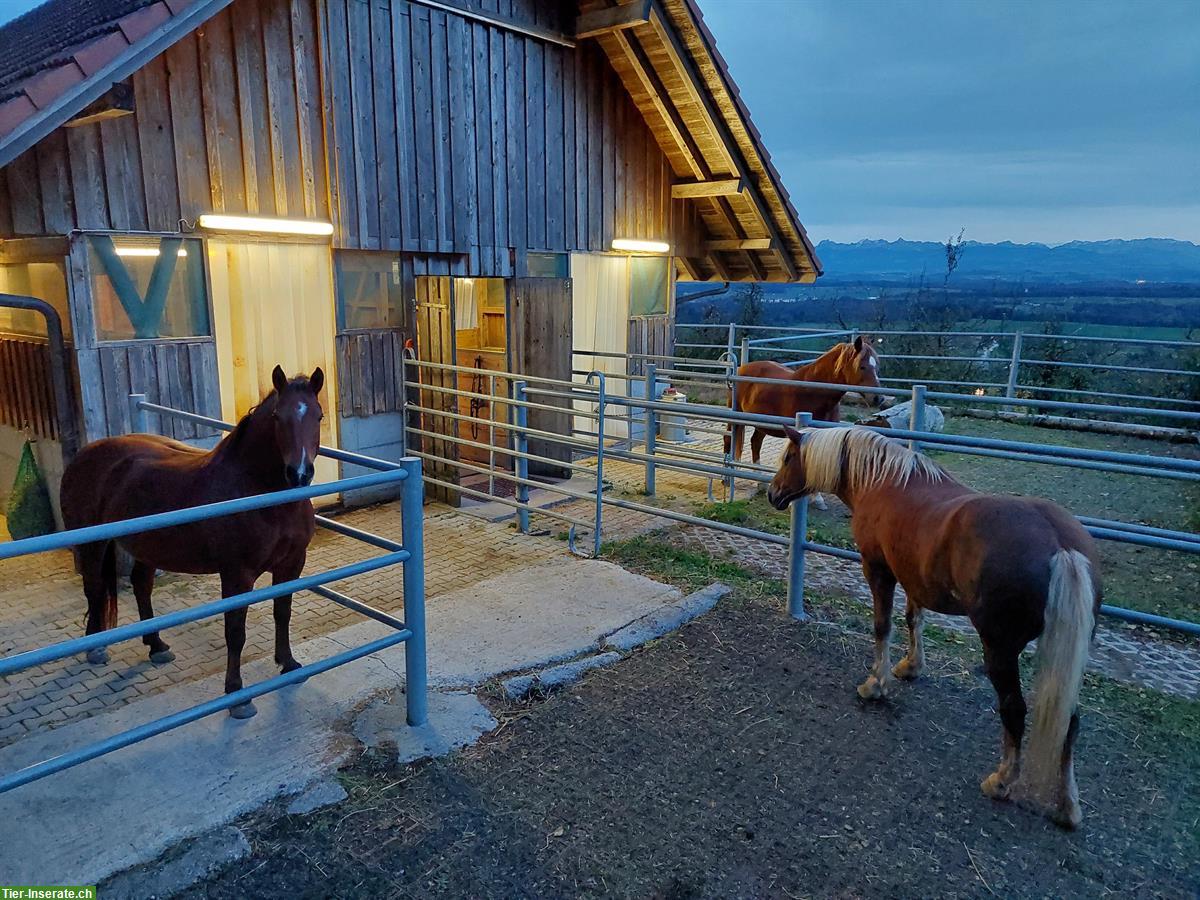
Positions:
(558, 676)
(316, 796)
(667, 618)
(126, 808)
(206, 855)
(456, 719)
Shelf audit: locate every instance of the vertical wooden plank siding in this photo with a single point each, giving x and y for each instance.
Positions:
(415, 130)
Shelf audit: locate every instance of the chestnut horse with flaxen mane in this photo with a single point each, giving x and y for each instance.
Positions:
(272, 448)
(1018, 567)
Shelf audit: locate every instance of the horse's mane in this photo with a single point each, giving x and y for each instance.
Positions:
(855, 458)
(838, 357)
(234, 439)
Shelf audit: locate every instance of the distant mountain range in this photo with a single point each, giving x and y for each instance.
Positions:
(1148, 259)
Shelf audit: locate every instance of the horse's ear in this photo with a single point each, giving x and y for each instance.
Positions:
(793, 435)
(316, 380)
(858, 344)
(278, 379)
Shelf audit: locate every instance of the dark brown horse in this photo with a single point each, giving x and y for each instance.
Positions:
(854, 365)
(273, 447)
(1018, 567)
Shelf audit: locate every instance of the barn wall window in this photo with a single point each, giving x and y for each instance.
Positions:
(649, 284)
(146, 287)
(548, 265)
(369, 290)
(43, 279)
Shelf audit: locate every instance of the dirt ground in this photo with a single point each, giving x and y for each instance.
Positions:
(733, 759)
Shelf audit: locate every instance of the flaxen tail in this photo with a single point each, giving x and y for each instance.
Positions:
(1061, 657)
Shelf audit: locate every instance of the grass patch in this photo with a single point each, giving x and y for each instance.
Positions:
(686, 569)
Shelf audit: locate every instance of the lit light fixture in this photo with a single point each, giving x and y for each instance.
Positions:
(220, 222)
(631, 245)
(150, 252)
(979, 392)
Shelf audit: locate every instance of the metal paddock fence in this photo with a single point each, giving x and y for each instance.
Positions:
(1007, 361)
(636, 411)
(409, 553)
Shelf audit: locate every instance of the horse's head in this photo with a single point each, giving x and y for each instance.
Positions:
(296, 418)
(859, 367)
(789, 482)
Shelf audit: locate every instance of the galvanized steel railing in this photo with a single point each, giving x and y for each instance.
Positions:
(658, 454)
(409, 553)
(740, 344)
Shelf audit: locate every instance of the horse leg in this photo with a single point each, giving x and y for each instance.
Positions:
(235, 640)
(283, 617)
(912, 664)
(96, 590)
(883, 591)
(756, 442)
(1003, 669)
(142, 579)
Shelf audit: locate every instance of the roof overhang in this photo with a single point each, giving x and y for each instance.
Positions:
(669, 63)
(58, 93)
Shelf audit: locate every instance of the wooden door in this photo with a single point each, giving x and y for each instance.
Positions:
(435, 343)
(540, 344)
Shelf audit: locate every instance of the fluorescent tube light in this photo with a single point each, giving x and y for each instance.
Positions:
(263, 225)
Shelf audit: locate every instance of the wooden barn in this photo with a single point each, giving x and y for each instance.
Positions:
(204, 188)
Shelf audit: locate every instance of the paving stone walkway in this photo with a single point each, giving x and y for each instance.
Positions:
(41, 602)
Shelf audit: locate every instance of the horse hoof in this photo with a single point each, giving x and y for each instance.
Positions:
(871, 689)
(906, 670)
(98, 656)
(1068, 816)
(243, 710)
(994, 787)
(291, 666)
(162, 657)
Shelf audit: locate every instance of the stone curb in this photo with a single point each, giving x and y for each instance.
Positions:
(557, 676)
(667, 619)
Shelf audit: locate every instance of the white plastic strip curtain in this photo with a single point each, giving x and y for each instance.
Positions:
(468, 292)
(273, 304)
(600, 322)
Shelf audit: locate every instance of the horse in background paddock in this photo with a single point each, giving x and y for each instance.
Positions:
(273, 447)
(1018, 567)
(852, 364)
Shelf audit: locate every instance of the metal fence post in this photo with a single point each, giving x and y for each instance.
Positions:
(798, 535)
(651, 425)
(729, 344)
(413, 537)
(1014, 366)
(138, 423)
(521, 445)
(916, 415)
(745, 357)
(403, 401)
(599, 465)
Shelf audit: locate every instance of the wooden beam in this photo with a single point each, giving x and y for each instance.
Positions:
(688, 267)
(117, 101)
(741, 244)
(699, 94)
(613, 18)
(34, 249)
(643, 69)
(724, 187)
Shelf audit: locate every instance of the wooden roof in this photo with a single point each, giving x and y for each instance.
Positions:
(670, 65)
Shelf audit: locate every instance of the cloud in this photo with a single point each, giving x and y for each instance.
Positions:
(1078, 115)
